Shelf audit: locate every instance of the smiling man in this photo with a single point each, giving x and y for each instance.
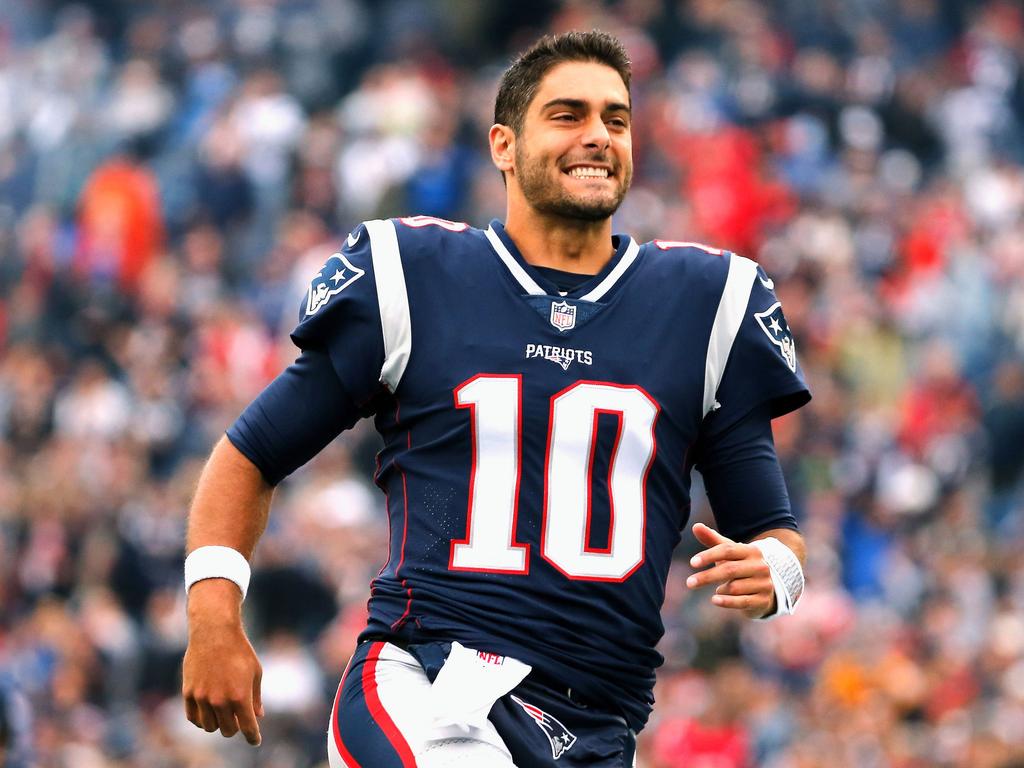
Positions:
(543, 389)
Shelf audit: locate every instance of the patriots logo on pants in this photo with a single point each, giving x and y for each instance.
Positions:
(560, 737)
(773, 323)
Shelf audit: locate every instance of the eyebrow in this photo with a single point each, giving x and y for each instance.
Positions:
(614, 106)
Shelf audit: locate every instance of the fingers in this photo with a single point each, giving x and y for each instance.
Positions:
(730, 570)
(743, 577)
(249, 726)
(709, 537)
(221, 686)
(751, 586)
(719, 547)
(257, 695)
(207, 717)
(229, 717)
(755, 597)
(226, 721)
(250, 710)
(193, 713)
(727, 551)
(754, 605)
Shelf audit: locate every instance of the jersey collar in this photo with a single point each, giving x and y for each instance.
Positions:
(535, 284)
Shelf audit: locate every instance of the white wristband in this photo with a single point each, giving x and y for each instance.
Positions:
(787, 575)
(214, 562)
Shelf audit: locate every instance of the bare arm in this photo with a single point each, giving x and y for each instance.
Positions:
(231, 504)
(221, 674)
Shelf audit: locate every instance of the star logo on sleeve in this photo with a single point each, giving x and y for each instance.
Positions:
(334, 277)
(774, 324)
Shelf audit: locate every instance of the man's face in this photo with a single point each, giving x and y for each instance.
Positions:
(573, 157)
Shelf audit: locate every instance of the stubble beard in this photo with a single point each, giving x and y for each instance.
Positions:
(552, 199)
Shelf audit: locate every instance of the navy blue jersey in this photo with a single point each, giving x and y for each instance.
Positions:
(537, 446)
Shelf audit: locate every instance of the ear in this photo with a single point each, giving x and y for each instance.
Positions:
(503, 147)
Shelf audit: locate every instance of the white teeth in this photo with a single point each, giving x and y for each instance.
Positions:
(589, 173)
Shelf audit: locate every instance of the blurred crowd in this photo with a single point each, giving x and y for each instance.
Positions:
(173, 173)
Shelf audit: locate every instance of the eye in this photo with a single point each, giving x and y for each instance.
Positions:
(564, 116)
(618, 122)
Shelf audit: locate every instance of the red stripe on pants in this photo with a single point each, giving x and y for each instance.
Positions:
(346, 756)
(377, 711)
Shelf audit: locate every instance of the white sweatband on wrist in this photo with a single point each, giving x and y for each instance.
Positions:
(787, 575)
(215, 562)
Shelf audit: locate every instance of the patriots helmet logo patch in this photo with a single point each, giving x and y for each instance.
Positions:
(560, 737)
(774, 324)
(334, 277)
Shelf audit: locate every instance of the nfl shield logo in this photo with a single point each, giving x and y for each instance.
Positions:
(563, 315)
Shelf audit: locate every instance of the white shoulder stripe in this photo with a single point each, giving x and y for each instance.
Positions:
(393, 301)
(520, 274)
(632, 251)
(728, 318)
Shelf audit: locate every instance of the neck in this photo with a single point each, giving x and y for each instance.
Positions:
(571, 245)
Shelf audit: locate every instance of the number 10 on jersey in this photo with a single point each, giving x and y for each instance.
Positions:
(495, 409)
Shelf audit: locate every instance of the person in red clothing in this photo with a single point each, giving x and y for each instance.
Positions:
(941, 402)
(120, 219)
(709, 727)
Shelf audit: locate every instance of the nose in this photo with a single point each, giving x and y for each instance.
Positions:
(595, 133)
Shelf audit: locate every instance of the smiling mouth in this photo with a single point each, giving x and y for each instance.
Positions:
(588, 172)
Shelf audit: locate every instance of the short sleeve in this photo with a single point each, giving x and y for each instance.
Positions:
(340, 315)
(762, 365)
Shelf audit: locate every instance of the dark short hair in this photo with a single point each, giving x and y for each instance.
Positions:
(520, 81)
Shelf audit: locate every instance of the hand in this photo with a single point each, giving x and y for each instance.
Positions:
(221, 674)
(744, 580)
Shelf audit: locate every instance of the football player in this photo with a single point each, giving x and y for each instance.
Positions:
(543, 388)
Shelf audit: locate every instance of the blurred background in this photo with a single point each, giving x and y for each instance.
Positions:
(172, 173)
